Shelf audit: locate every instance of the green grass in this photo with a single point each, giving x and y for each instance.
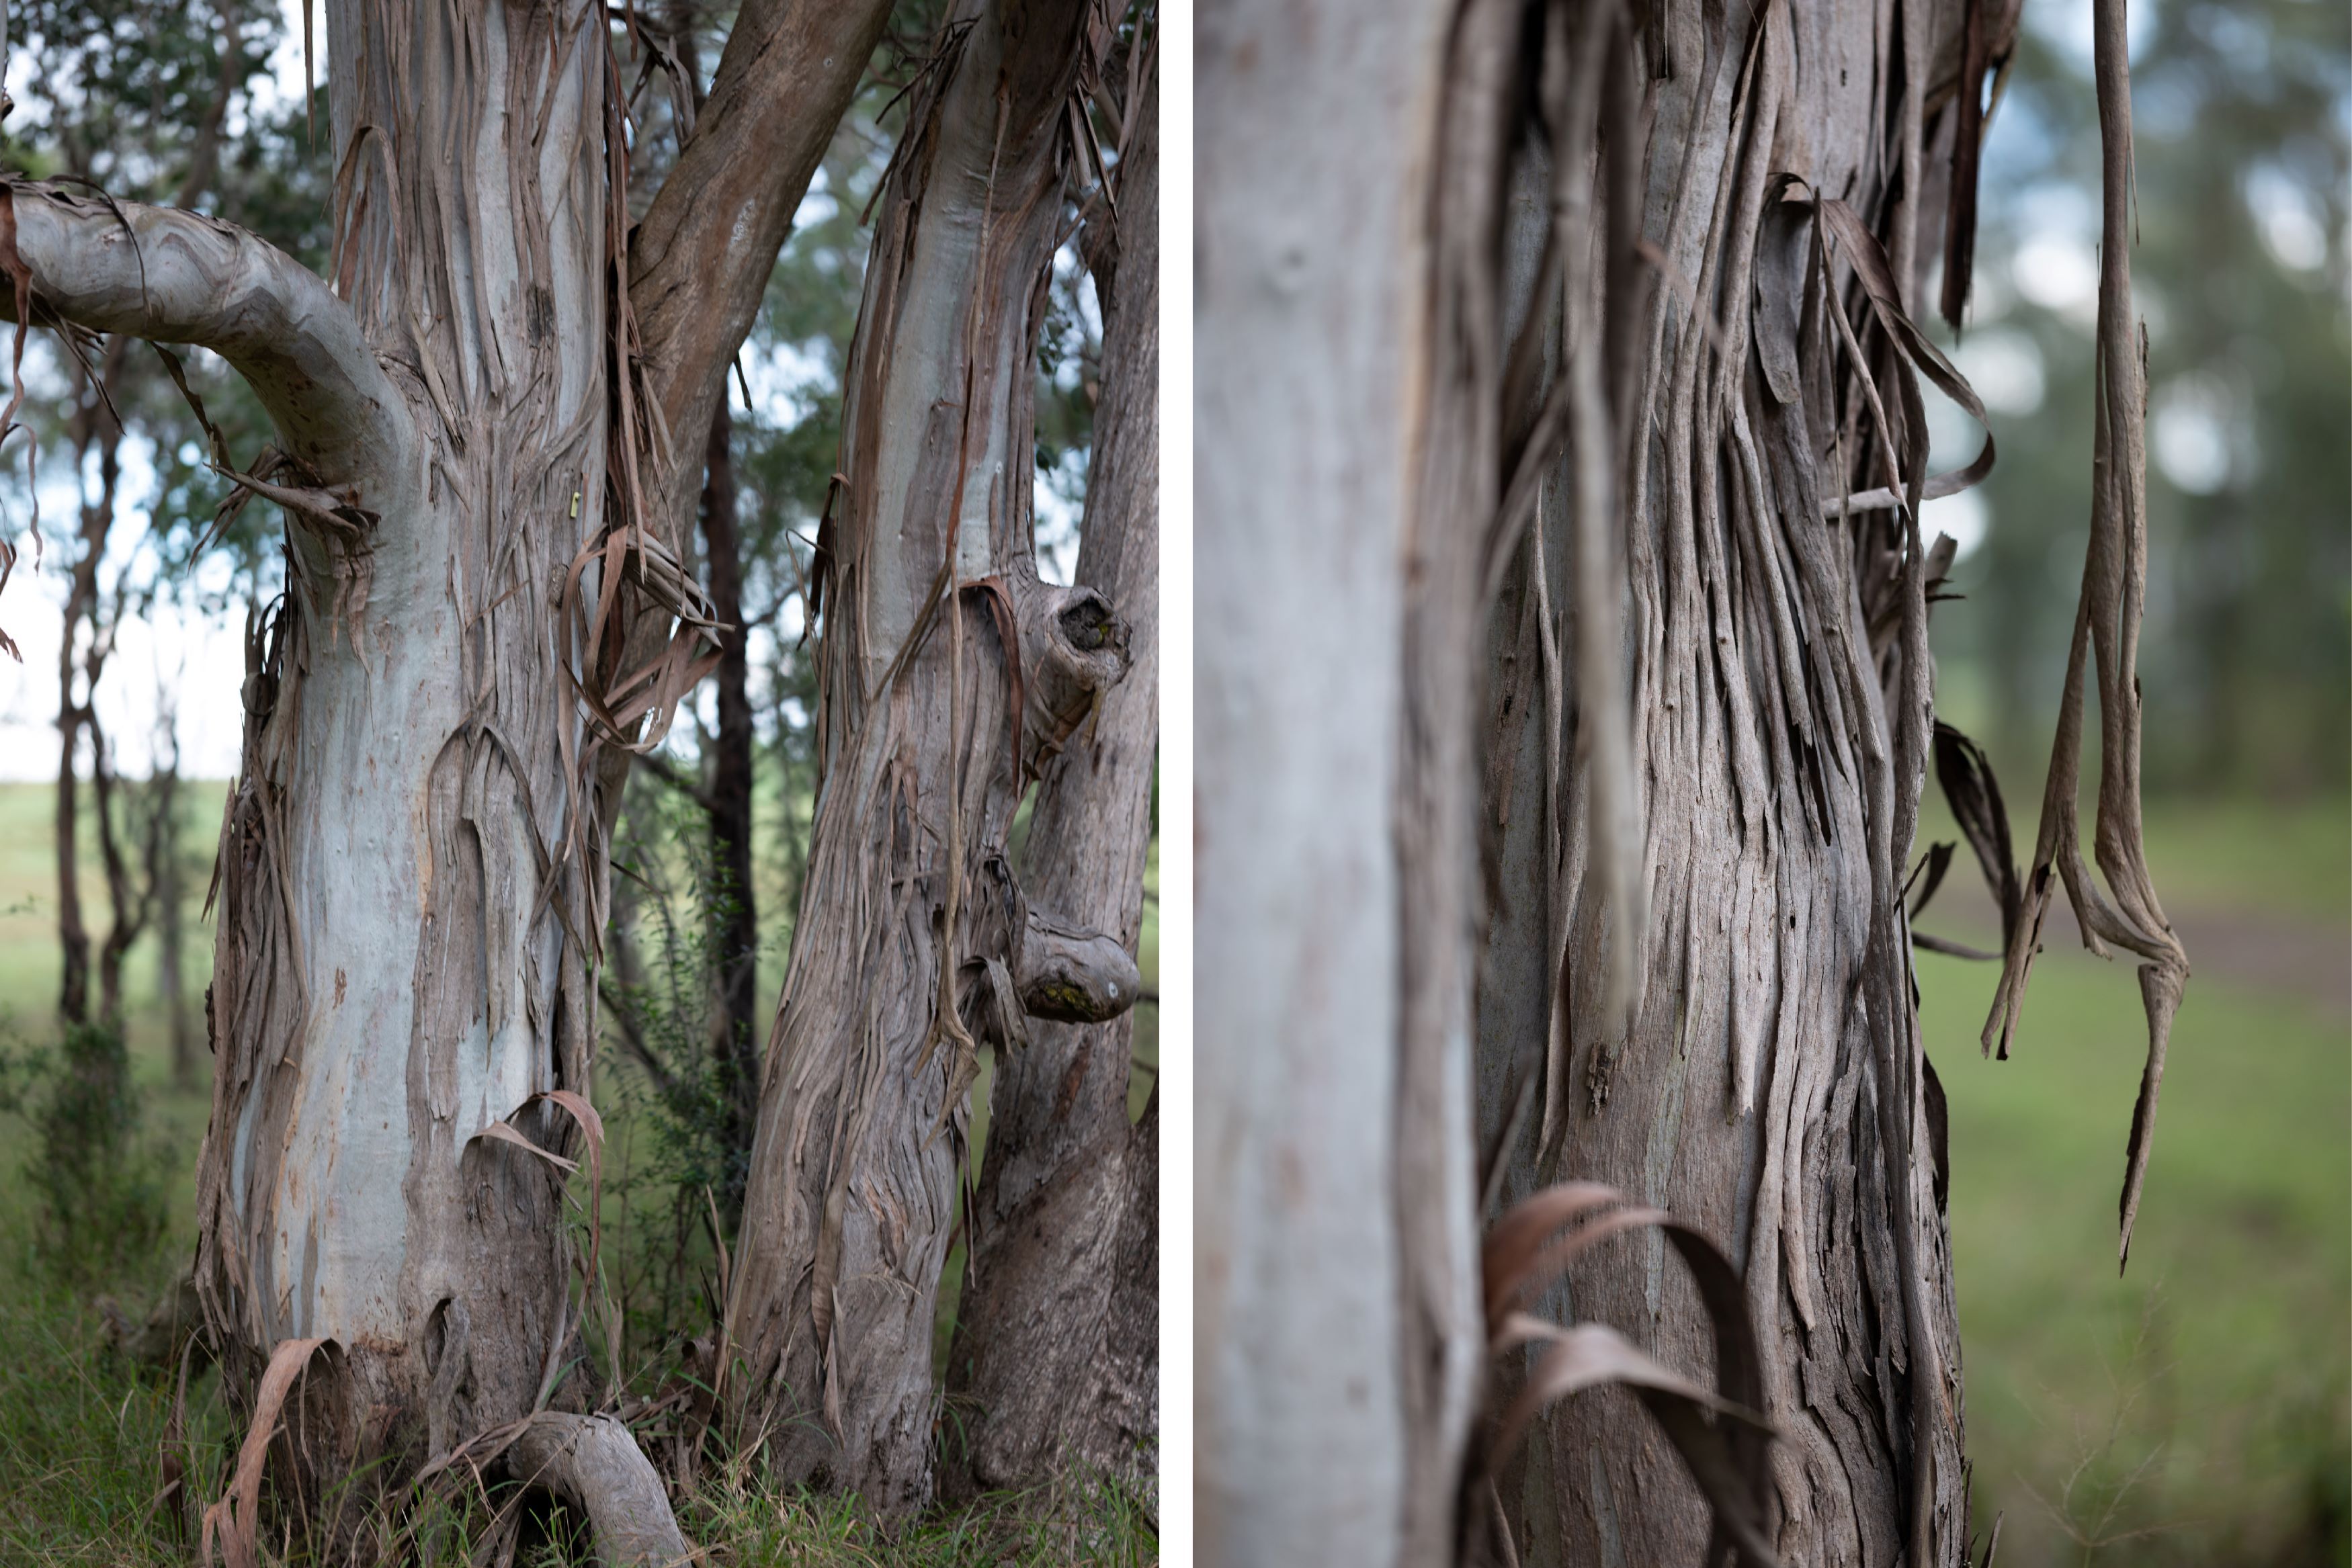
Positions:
(2194, 1410)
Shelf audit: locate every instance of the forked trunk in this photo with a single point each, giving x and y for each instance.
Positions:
(480, 496)
(948, 671)
(1045, 1297)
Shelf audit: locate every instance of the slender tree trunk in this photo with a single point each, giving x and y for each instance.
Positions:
(1044, 1293)
(167, 873)
(736, 916)
(73, 936)
(949, 672)
(78, 666)
(130, 887)
(1336, 1330)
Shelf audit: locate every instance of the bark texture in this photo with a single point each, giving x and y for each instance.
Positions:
(409, 884)
(1570, 427)
(948, 671)
(1051, 1288)
(484, 508)
(1764, 1081)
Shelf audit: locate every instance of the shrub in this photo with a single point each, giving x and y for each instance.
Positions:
(99, 1186)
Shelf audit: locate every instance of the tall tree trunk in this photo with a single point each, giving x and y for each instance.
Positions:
(406, 891)
(1693, 982)
(130, 884)
(735, 914)
(1764, 1081)
(412, 873)
(167, 873)
(73, 935)
(1044, 1293)
(1336, 1330)
(79, 665)
(949, 672)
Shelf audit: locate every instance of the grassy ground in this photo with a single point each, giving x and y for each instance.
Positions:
(81, 1431)
(2194, 1410)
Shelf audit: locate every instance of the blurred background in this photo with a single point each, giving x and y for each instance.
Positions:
(2193, 1411)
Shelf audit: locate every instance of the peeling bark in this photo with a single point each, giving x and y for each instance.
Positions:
(1052, 1292)
(947, 673)
(1528, 403)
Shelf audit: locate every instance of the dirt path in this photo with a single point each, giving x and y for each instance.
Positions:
(2253, 949)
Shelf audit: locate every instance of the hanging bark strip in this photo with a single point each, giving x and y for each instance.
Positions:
(2106, 629)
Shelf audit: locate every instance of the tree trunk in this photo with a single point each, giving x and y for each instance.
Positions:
(1044, 1298)
(167, 873)
(409, 889)
(1693, 980)
(1336, 1331)
(412, 872)
(79, 667)
(734, 912)
(948, 671)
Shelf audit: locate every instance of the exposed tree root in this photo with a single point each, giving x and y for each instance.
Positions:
(593, 1464)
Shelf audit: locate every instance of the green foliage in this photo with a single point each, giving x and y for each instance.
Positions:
(99, 1186)
(662, 992)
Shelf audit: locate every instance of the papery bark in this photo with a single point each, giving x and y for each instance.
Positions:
(948, 673)
(1052, 1285)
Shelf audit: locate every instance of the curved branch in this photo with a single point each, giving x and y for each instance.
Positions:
(182, 277)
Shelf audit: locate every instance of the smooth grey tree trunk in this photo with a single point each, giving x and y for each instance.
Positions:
(1051, 1286)
(1336, 1331)
(948, 671)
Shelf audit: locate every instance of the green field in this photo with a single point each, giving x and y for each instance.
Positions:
(2195, 1409)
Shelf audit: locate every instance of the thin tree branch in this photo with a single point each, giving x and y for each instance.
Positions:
(699, 261)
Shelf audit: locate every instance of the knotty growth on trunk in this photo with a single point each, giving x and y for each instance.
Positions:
(948, 673)
(1066, 1206)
